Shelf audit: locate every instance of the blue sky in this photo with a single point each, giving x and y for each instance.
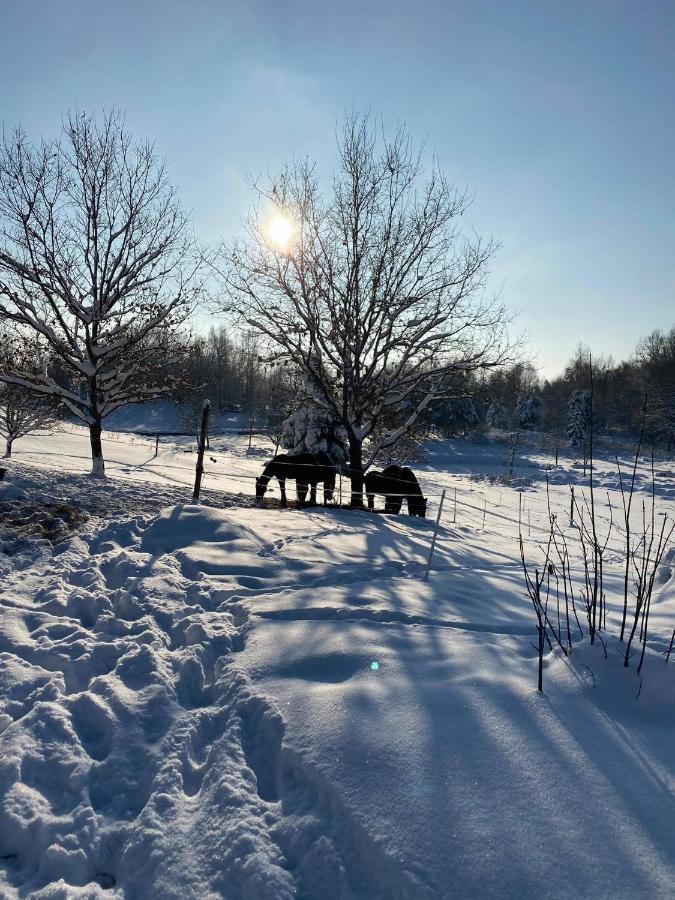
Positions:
(558, 116)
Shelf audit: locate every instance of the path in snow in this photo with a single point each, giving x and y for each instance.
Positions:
(135, 756)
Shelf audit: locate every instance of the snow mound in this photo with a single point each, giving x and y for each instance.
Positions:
(182, 526)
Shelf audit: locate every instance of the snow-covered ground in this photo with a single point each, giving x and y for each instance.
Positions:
(229, 701)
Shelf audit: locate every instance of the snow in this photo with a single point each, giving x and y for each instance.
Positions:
(224, 700)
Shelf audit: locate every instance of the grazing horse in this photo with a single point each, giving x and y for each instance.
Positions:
(306, 469)
(397, 484)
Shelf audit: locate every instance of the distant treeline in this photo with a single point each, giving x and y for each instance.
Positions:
(619, 391)
(235, 375)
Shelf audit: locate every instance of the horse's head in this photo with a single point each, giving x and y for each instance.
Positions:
(260, 487)
(418, 507)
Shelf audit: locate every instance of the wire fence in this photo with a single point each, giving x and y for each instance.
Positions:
(504, 510)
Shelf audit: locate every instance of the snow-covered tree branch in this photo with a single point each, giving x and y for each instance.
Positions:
(371, 290)
(97, 266)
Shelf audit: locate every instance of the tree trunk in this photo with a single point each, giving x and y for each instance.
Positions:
(356, 472)
(97, 463)
(8, 448)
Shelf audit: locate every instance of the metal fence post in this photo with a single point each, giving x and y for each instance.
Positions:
(433, 540)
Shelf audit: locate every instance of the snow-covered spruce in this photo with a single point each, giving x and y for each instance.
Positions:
(497, 416)
(312, 430)
(579, 420)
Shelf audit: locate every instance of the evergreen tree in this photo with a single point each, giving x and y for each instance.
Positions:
(529, 410)
(579, 420)
(660, 419)
(497, 417)
(460, 415)
(657, 356)
(311, 430)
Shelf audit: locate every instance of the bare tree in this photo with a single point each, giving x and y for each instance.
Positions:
(370, 290)
(96, 265)
(21, 412)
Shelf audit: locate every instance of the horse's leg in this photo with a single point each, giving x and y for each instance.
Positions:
(371, 501)
(312, 494)
(282, 489)
(301, 489)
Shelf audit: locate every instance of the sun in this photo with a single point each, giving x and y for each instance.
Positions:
(279, 231)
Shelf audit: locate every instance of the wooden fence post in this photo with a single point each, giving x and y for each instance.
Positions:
(156, 446)
(200, 450)
(433, 540)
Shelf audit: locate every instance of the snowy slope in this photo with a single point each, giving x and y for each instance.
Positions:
(228, 701)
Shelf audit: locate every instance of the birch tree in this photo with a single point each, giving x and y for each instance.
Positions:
(370, 288)
(96, 266)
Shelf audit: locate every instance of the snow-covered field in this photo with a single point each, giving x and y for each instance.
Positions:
(229, 701)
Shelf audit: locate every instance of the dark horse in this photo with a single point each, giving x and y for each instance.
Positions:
(397, 484)
(306, 469)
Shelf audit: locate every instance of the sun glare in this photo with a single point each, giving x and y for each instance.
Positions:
(279, 231)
